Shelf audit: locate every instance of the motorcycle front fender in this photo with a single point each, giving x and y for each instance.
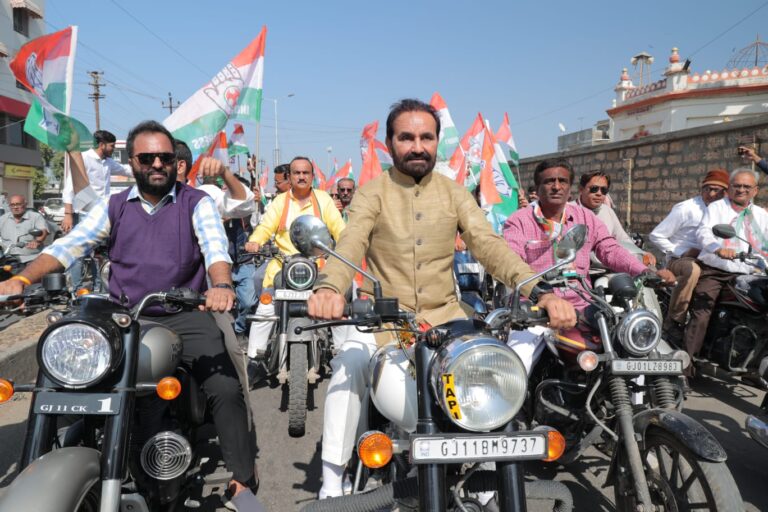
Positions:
(56, 482)
(685, 429)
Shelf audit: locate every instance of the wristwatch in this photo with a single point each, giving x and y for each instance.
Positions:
(541, 288)
(224, 285)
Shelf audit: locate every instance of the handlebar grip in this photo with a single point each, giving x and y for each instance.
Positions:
(298, 309)
(533, 314)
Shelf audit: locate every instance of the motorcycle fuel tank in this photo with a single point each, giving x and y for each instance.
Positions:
(393, 387)
(159, 353)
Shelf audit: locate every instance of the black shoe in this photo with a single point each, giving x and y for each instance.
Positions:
(256, 372)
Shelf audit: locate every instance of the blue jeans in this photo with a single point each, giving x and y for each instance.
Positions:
(76, 269)
(244, 280)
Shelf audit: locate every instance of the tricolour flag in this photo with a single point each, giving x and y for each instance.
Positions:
(449, 135)
(368, 139)
(44, 66)
(504, 135)
(263, 180)
(344, 172)
(489, 196)
(237, 145)
(319, 181)
(234, 93)
(504, 179)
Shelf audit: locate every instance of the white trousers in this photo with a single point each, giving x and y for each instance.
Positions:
(528, 344)
(258, 336)
(345, 393)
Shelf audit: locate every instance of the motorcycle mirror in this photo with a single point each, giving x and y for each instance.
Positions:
(35, 232)
(572, 241)
(723, 231)
(310, 235)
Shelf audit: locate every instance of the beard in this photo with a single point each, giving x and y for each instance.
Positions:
(155, 189)
(415, 165)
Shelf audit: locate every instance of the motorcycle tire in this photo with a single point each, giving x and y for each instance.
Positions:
(91, 502)
(297, 390)
(713, 486)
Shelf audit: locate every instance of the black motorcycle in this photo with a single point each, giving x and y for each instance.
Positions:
(11, 264)
(442, 403)
(608, 384)
(90, 444)
(294, 359)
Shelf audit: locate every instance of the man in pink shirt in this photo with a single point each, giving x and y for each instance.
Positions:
(534, 232)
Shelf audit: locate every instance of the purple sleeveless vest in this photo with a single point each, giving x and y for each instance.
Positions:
(153, 253)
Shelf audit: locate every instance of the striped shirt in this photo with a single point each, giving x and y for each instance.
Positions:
(95, 229)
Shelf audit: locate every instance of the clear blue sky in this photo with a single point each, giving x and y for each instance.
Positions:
(345, 62)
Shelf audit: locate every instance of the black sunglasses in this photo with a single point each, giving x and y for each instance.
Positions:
(594, 188)
(149, 158)
(345, 189)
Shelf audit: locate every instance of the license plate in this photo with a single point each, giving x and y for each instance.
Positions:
(469, 268)
(76, 403)
(292, 294)
(647, 366)
(475, 448)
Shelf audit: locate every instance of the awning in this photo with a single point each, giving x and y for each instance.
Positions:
(29, 6)
(3, 50)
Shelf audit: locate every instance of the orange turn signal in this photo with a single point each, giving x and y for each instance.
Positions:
(374, 449)
(7, 268)
(320, 263)
(168, 388)
(265, 299)
(587, 360)
(82, 291)
(6, 390)
(647, 259)
(555, 445)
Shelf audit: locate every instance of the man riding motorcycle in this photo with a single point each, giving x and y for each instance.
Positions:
(164, 234)
(535, 232)
(301, 199)
(404, 223)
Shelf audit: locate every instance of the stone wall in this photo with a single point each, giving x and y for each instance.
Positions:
(651, 174)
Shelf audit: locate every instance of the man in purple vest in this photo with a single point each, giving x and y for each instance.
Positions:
(163, 234)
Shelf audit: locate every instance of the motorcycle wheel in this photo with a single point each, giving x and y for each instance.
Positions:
(297, 390)
(92, 500)
(680, 480)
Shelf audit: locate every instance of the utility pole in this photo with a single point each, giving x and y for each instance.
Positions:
(170, 106)
(96, 94)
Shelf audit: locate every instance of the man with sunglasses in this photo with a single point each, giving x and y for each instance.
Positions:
(165, 234)
(718, 258)
(676, 237)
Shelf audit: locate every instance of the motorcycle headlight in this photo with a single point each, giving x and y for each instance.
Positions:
(76, 355)
(300, 273)
(639, 332)
(479, 382)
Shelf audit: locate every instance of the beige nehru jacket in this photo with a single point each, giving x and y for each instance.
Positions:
(406, 232)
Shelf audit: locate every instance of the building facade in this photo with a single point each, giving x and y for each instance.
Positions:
(20, 21)
(683, 100)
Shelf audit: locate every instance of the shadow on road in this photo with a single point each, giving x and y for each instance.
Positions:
(11, 451)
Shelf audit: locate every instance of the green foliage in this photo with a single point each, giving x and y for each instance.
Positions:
(53, 160)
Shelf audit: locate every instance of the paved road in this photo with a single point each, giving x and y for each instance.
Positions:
(290, 468)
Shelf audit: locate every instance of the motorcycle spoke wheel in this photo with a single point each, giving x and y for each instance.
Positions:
(681, 481)
(297, 390)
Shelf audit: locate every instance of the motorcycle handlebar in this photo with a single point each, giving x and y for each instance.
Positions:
(358, 309)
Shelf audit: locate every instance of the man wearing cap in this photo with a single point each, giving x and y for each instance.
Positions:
(676, 237)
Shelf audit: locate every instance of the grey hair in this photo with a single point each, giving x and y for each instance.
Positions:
(744, 170)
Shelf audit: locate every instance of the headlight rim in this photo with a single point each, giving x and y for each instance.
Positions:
(295, 262)
(114, 343)
(627, 324)
(449, 353)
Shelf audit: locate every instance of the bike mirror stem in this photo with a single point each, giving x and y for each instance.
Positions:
(376, 284)
(518, 288)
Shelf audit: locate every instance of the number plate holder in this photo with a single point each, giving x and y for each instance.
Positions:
(647, 367)
(282, 294)
(440, 448)
(101, 404)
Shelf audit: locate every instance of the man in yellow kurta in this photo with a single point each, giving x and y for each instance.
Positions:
(301, 199)
(404, 223)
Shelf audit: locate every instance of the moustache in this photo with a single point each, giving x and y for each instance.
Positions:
(417, 156)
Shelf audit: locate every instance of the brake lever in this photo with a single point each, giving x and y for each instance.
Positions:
(372, 322)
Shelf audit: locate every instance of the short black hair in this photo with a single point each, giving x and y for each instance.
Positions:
(283, 169)
(409, 105)
(550, 164)
(183, 153)
(302, 158)
(146, 127)
(103, 136)
(587, 177)
(531, 188)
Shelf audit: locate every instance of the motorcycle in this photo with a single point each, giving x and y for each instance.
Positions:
(90, 445)
(293, 358)
(477, 288)
(10, 264)
(737, 337)
(758, 426)
(440, 404)
(661, 459)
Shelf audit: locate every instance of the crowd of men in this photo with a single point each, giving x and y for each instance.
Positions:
(403, 223)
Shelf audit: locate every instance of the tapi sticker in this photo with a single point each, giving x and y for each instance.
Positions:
(449, 395)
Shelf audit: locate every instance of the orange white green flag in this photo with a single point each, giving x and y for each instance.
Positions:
(344, 172)
(504, 136)
(234, 93)
(237, 145)
(448, 138)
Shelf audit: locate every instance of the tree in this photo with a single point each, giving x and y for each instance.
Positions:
(53, 160)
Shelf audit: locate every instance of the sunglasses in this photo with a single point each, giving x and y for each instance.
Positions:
(345, 189)
(149, 158)
(594, 188)
(334, 196)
